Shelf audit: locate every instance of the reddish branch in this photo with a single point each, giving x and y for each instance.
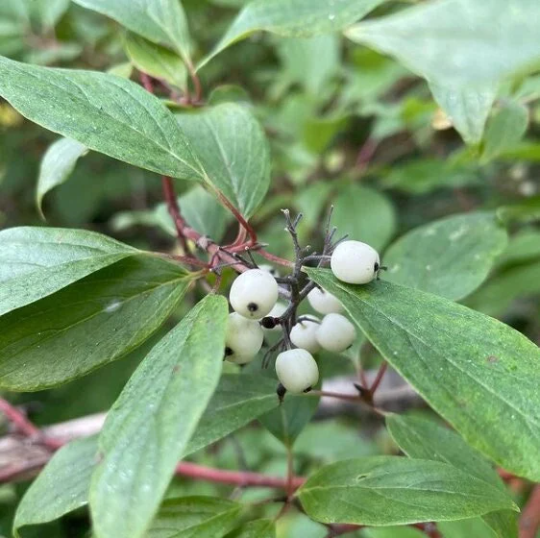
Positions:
(529, 523)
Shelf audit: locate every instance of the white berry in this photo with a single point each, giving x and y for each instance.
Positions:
(355, 262)
(297, 370)
(336, 333)
(269, 269)
(254, 293)
(304, 334)
(243, 340)
(276, 312)
(323, 302)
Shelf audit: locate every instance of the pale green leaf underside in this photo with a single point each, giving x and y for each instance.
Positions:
(450, 257)
(194, 517)
(479, 374)
(293, 18)
(149, 426)
(425, 439)
(92, 322)
(37, 262)
(161, 21)
(463, 49)
(155, 60)
(106, 113)
(57, 165)
(61, 487)
(233, 151)
(411, 491)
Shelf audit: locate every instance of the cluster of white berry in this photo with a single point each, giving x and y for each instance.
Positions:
(254, 296)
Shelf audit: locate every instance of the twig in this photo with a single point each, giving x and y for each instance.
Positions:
(24, 426)
(529, 522)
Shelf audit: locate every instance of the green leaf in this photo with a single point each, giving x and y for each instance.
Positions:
(238, 400)
(467, 108)
(234, 152)
(450, 257)
(160, 21)
(472, 369)
(287, 422)
(464, 50)
(424, 439)
(364, 214)
(505, 129)
(466, 529)
(394, 532)
(106, 113)
(57, 165)
(312, 61)
(149, 426)
(525, 211)
(293, 18)
(37, 262)
(411, 491)
(260, 528)
(155, 60)
(194, 517)
(60, 488)
(90, 323)
(46, 12)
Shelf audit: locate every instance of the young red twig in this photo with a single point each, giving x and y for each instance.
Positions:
(378, 379)
(240, 218)
(529, 522)
(23, 426)
(366, 153)
(147, 82)
(237, 478)
(197, 98)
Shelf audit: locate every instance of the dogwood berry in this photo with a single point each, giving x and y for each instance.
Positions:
(323, 302)
(297, 370)
(254, 293)
(269, 269)
(336, 333)
(243, 340)
(276, 312)
(304, 334)
(355, 262)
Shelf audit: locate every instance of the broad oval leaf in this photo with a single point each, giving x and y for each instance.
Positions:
(149, 426)
(364, 214)
(104, 112)
(161, 21)
(61, 487)
(238, 400)
(194, 517)
(424, 439)
(412, 491)
(450, 257)
(479, 374)
(57, 165)
(293, 18)
(92, 322)
(155, 60)
(464, 50)
(37, 262)
(506, 129)
(234, 152)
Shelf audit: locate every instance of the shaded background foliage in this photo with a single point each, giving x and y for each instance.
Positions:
(347, 126)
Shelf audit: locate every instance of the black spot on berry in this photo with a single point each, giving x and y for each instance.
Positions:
(309, 389)
(268, 322)
(377, 267)
(281, 390)
(228, 351)
(253, 307)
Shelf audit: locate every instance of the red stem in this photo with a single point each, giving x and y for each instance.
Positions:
(147, 82)
(23, 425)
(529, 522)
(379, 378)
(239, 217)
(236, 478)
